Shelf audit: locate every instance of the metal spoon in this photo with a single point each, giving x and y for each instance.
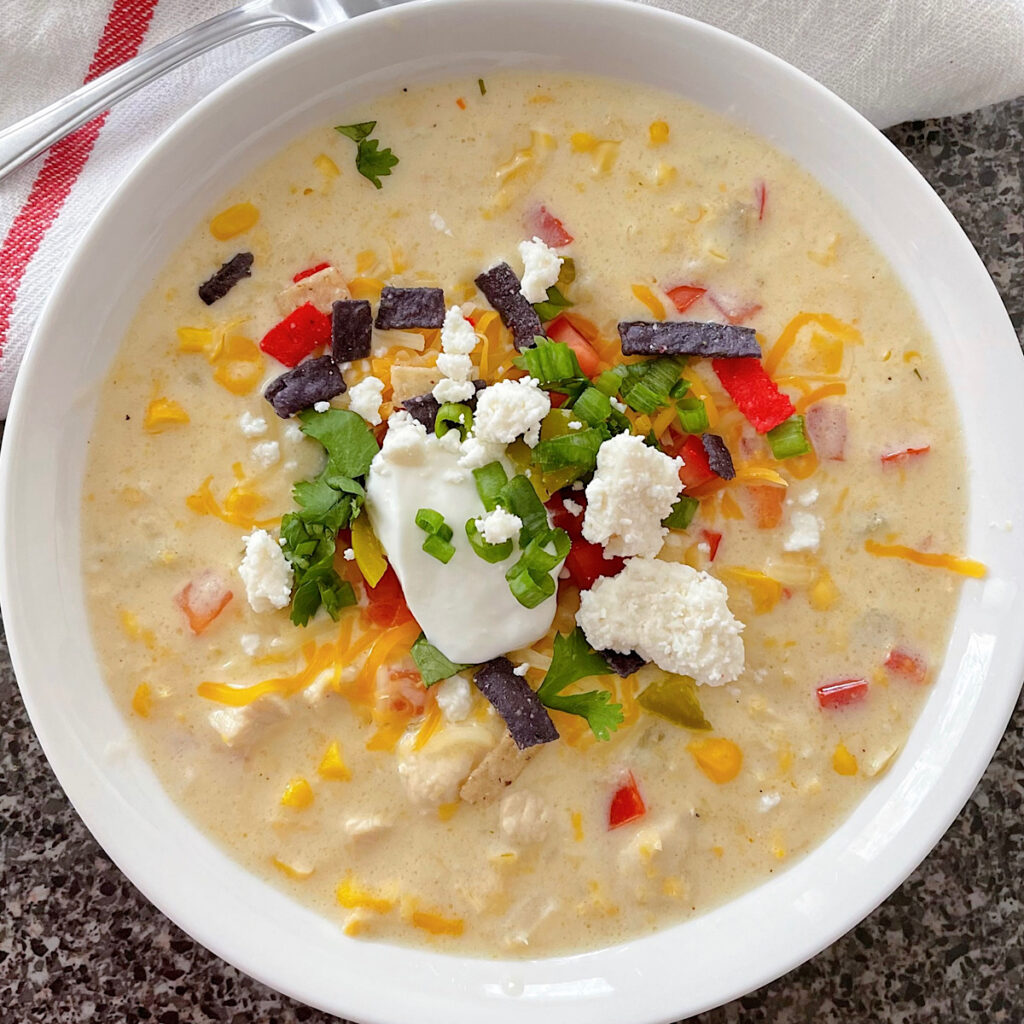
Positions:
(28, 138)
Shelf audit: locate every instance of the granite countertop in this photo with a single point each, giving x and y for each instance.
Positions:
(78, 943)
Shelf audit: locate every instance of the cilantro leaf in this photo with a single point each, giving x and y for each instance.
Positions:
(373, 164)
(350, 443)
(573, 658)
(433, 665)
(356, 132)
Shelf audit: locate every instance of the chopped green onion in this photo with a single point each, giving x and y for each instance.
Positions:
(682, 513)
(433, 523)
(646, 386)
(433, 665)
(536, 555)
(680, 388)
(693, 415)
(789, 438)
(519, 497)
(490, 479)
(439, 548)
(618, 422)
(608, 383)
(453, 416)
(577, 449)
(549, 362)
(481, 86)
(487, 551)
(530, 588)
(593, 407)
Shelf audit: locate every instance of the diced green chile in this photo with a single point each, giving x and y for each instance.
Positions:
(675, 698)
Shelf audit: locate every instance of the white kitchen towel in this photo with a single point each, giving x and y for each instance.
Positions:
(892, 59)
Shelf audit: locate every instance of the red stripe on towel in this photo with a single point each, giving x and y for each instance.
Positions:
(122, 37)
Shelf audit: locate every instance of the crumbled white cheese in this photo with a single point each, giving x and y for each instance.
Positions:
(620, 406)
(804, 533)
(405, 443)
(455, 699)
(293, 433)
(447, 390)
(541, 267)
(808, 498)
(457, 334)
(574, 425)
(250, 643)
(252, 426)
(510, 409)
(456, 367)
(669, 614)
(437, 222)
(477, 453)
(453, 476)
(364, 399)
(521, 670)
(499, 526)
(267, 574)
(769, 801)
(574, 508)
(524, 817)
(321, 406)
(349, 555)
(632, 491)
(266, 454)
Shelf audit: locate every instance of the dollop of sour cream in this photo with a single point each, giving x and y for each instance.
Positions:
(464, 606)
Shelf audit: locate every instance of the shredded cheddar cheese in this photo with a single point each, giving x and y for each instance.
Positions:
(964, 566)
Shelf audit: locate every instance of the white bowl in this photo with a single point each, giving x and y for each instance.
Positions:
(683, 969)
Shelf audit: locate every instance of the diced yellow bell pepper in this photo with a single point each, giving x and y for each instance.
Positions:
(718, 758)
(297, 794)
(368, 551)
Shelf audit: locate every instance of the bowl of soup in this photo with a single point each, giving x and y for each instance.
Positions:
(509, 496)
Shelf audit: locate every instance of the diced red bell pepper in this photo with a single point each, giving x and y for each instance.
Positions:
(548, 228)
(842, 693)
(695, 470)
(893, 458)
(387, 605)
(627, 804)
(911, 666)
(561, 330)
(301, 331)
(712, 539)
(571, 522)
(202, 600)
(586, 563)
(684, 296)
(756, 395)
(309, 272)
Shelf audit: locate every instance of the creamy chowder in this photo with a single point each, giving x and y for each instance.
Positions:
(784, 626)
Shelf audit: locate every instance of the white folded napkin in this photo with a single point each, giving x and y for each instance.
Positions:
(892, 59)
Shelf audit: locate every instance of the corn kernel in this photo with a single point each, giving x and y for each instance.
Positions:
(351, 895)
(719, 759)
(298, 794)
(843, 761)
(326, 166)
(436, 924)
(582, 142)
(142, 700)
(162, 413)
(577, 826)
(658, 132)
(332, 765)
(195, 339)
(823, 594)
(235, 220)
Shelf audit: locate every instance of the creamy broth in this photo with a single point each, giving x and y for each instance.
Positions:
(541, 873)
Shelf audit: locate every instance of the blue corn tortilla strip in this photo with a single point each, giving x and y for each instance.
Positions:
(403, 308)
(528, 721)
(426, 407)
(230, 273)
(687, 338)
(623, 664)
(502, 290)
(315, 380)
(351, 330)
(719, 458)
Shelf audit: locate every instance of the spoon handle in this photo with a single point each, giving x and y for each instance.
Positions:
(28, 138)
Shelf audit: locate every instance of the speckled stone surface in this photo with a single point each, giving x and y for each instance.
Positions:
(78, 943)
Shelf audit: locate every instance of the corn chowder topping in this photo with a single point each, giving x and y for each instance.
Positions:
(521, 558)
